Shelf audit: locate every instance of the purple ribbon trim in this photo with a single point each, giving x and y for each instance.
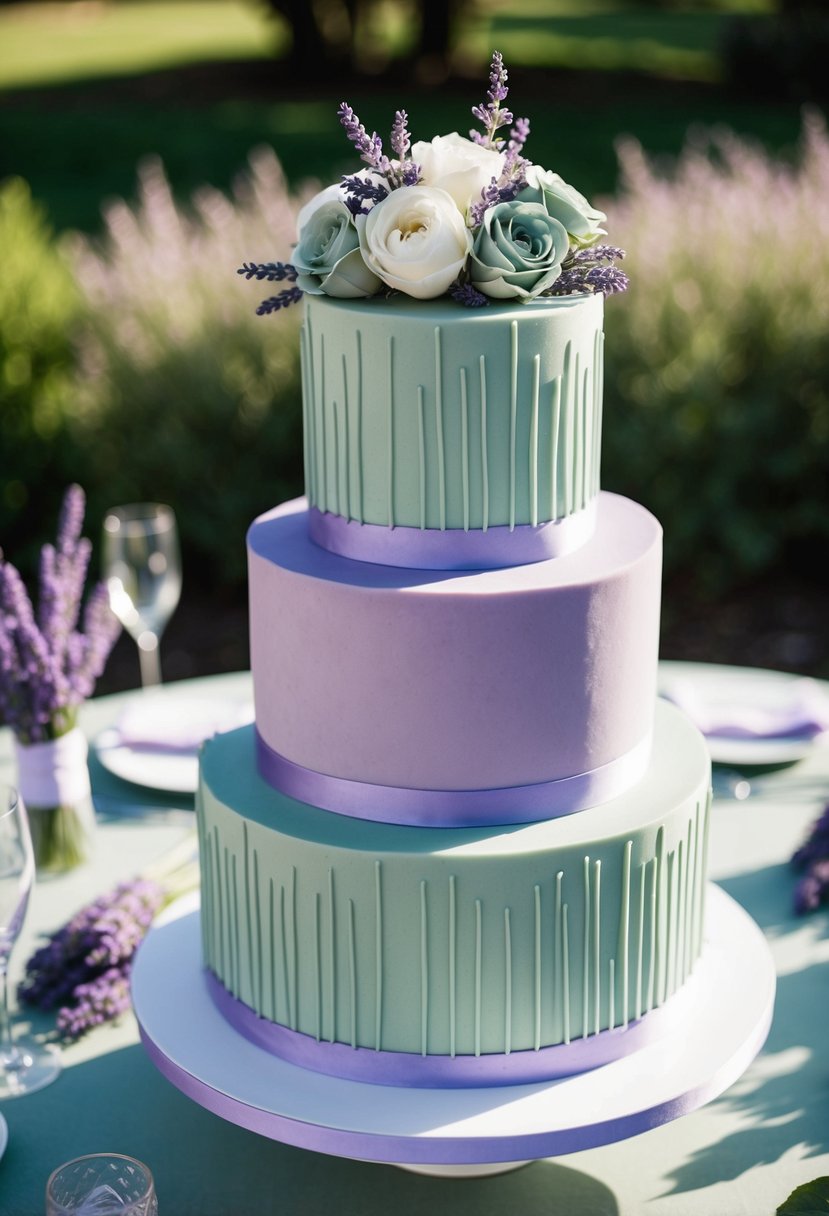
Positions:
(452, 808)
(451, 548)
(399, 1068)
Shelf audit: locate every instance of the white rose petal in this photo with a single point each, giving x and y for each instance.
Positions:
(416, 241)
(458, 166)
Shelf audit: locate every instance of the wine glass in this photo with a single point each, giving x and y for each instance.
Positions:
(142, 569)
(24, 1064)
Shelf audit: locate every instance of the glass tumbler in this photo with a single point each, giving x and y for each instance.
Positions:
(102, 1184)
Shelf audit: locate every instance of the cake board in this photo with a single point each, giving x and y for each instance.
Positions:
(722, 1017)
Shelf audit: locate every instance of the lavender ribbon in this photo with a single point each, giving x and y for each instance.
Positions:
(452, 808)
(408, 1069)
(451, 548)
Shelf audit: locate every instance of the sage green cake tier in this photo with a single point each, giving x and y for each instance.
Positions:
(440, 941)
(424, 414)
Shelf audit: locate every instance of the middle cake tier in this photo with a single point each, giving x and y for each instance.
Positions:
(455, 698)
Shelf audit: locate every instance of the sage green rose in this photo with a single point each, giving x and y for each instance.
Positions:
(565, 204)
(518, 251)
(327, 256)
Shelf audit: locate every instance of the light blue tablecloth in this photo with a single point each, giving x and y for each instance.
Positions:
(741, 1154)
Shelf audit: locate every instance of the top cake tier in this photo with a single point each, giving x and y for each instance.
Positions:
(441, 437)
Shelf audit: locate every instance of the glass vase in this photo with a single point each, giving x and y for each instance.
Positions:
(53, 779)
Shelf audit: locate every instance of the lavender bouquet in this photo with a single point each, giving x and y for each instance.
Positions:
(48, 668)
(472, 218)
(812, 860)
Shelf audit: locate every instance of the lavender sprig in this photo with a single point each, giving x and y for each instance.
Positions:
(270, 272)
(291, 295)
(359, 190)
(370, 147)
(468, 295)
(812, 858)
(490, 114)
(604, 280)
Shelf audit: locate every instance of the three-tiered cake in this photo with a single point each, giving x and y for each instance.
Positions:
(463, 844)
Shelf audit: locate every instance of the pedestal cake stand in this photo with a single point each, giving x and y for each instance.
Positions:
(720, 1021)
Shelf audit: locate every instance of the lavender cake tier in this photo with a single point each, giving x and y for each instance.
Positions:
(525, 693)
(453, 956)
(420, 415)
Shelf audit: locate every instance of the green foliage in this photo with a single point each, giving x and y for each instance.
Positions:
(717, 385)
(38, 308)
(811, 1199)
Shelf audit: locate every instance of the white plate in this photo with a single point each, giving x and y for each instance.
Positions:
(171, 771)
(4, 1135)
(720, 685)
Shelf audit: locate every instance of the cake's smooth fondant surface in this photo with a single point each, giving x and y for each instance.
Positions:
(440, 942)
(456, 681)
(426, 415)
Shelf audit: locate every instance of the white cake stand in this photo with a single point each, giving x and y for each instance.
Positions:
(722, 1017)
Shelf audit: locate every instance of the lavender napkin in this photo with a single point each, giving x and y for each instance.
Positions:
(800, 710)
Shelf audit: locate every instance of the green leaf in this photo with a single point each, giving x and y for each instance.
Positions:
(811, 1199)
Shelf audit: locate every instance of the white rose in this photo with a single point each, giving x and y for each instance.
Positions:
(415, 240)
(335, 193)
(458, 166)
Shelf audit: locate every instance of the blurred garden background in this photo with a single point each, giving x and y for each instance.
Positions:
(148, 147)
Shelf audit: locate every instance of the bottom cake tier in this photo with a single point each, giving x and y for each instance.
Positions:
(445, 956)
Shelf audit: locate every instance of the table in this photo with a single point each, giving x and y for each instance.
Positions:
(743, 1153)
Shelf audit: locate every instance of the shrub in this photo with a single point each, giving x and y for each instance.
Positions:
(717, 392)
(185, 395)
(39, 306)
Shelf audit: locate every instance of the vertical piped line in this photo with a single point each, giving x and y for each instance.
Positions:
(306, 416)
(452, 978)
(513, 418)
(421, 420)
(312, 412)
(390, 449)
(600, 396)
(332, 958)
(360, 406)
(464, 449)
(679, 967)
(534, 440)
(222, 921)
(346, 444)
(378, 950)
(690, 878)
(507, 982)
(698, 830)
(661, 916)
(578, 446)
(439, 430)
(208, 910)
(703, 867)
(585, 952)
(537, 1034)
(286, 982)
(272, 941)
(597, 413)
(335, 441)
(587, 420)
(478, 975)
(324, 502)
(640, 940)
(670, 927)
(611, 994)
(229, 981)
(317, 967)
(294, 953)
(558, 962)
(565, 973)
(654, 914)
(352, 974)
(597, 926)
(260, 962)
(484, 449)
(424, 971)
(237, 960)
(567, 390)
(624, 931)
(248, 916)
(555, 440)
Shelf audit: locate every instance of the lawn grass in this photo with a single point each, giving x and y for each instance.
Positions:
(195, 82)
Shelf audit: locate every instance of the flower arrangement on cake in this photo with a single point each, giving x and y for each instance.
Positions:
(48, 668)
(472, 218)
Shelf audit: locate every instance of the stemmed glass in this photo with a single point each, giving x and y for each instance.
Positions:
(24, 1064)
(142, 569)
